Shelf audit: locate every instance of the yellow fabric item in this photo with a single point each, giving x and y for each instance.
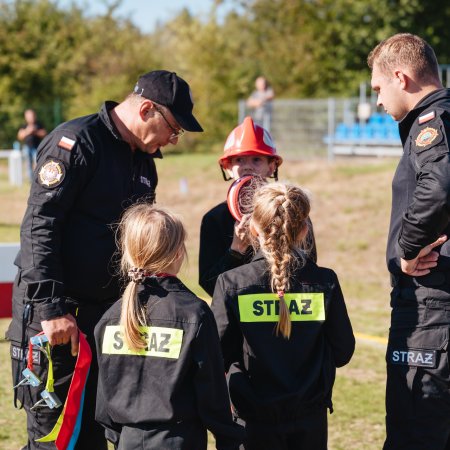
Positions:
(161, 342)
(303, 307)
(55, 430)
(49, 387)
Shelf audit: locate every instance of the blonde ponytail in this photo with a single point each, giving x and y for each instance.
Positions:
(150, 239)
(132, 317)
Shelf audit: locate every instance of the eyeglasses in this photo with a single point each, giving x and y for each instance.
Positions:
(175, 133)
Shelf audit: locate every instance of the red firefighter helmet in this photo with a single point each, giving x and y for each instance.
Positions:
(249, 139)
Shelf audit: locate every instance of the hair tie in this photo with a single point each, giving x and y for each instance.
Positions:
(137, 275)
(280, 294)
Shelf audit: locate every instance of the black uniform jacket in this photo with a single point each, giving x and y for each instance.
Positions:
(421, 185)
(270, 377)
(181, 377)
(86, 175)
(216, 236)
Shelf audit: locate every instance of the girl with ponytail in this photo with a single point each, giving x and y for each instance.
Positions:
(283, 327)
(161, 377)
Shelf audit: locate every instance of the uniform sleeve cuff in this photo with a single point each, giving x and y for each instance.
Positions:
(236, 255)
(48, 311)
(406, 254)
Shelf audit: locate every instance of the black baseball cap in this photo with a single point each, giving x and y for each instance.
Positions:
(168, 89)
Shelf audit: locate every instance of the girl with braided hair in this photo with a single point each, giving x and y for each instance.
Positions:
(161, 377)
(283, 327)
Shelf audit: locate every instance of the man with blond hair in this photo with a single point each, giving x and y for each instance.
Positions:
(405, 76)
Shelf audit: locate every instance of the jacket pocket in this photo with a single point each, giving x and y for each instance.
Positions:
(421, 347)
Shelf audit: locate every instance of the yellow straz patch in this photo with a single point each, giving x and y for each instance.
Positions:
(303, 307)
(161, 342)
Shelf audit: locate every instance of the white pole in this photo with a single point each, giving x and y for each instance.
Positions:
(331, 126)
(15, 168)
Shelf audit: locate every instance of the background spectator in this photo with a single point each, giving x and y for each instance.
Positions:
(260, 101)
(31, 134)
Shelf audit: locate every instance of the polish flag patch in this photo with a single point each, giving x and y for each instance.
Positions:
(66, 143)
(427, 117)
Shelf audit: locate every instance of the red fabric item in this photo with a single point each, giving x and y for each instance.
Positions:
(6, 299)
(74, 396)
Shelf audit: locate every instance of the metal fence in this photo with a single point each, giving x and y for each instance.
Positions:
(303, 129)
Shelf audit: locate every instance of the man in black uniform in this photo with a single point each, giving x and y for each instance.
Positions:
(88, 171)
(405, 76)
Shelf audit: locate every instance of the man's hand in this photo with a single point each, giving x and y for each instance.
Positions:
(425, 260)
(62, 330)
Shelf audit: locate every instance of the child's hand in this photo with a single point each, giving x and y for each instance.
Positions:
(240, 241)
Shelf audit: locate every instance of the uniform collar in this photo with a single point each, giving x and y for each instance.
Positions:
(259, 255)
(406, 123)
(106, 119)
(170, 283)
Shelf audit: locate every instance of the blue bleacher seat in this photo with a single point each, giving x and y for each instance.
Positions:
(379, 131)
(341, 131)
(380, 128)
(392, 131)
(366, 131)
(376, 118)
(354, 131)
(388, 120)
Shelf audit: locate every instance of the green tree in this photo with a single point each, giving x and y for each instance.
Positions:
(208, 55)
(36, 41)
(110, 58)
(63, 64)
(318, 48)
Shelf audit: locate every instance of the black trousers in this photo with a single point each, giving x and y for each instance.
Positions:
(41, 421)
(418, 375)
(307, 433)
(173, 436)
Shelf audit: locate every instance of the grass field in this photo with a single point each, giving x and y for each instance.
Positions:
(350, 213)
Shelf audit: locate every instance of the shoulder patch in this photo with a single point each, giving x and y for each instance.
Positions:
(51, 174)
(66, 143)
(426, 137)
(426, 117)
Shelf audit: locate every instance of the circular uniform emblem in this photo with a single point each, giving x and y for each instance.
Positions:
(51, 173)
(426, 136)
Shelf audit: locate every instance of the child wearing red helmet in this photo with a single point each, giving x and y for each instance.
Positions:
(249, 150)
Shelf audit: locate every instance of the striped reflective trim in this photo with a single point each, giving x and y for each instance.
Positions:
(303, 307)
(161, 342)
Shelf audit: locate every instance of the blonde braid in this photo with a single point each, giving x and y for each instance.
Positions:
(280, 212)
(277, 246)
